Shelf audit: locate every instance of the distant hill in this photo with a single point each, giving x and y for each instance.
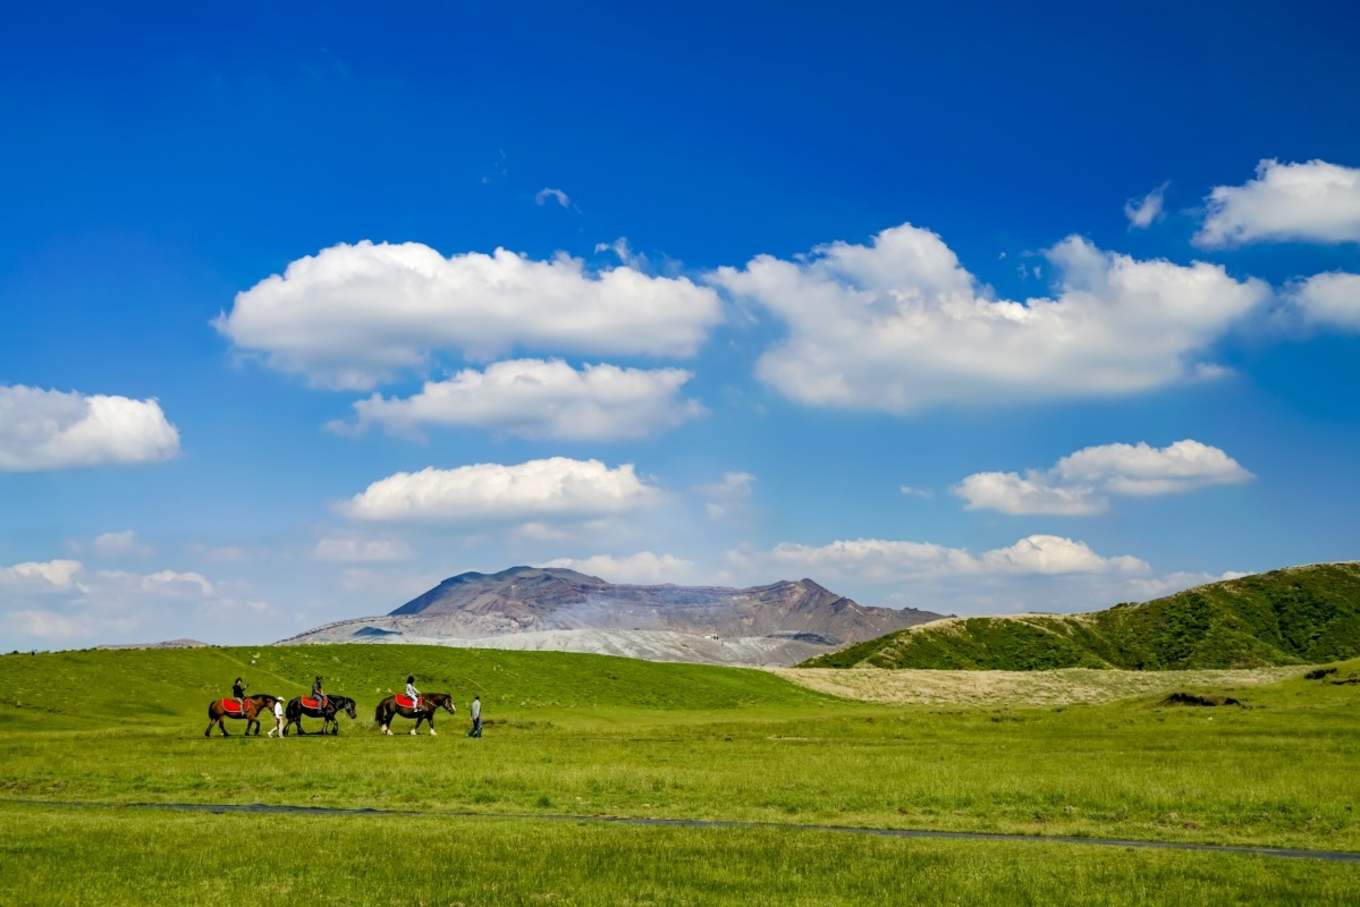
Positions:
(165, 644)
(1298, 615)
(563, 610)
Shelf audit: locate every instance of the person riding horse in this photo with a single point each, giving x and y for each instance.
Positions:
(238, 691)
(411, 692)
(319, 696)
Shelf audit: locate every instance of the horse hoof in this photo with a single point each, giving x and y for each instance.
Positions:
(432, 733)
(413, 733)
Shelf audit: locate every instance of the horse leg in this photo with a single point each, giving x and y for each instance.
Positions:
(222, 726)
(432, 733)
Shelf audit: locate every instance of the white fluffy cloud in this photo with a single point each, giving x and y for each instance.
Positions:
(50, 429)
(40, 577)
(60, 602)
(885, 559)
(1141, 212)
(732, 491)
(1331, 299)
(899, 325)
(352, 550)
(549, 194)
(1080, 483)
(352, 316)
(113, 545)
(1314, 201)
(643, 568)
(1032, 493)
(536, 398)
(1149, 587)
(558, 488)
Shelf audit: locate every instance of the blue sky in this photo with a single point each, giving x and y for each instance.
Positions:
(971, 273)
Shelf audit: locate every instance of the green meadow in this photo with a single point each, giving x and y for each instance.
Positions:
(588, 736)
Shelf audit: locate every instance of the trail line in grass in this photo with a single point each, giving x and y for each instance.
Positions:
(1336, 856)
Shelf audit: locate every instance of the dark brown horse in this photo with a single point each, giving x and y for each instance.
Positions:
(429, 704)
(303, 705)
(254, 705)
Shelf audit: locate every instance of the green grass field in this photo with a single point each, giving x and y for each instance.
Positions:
(589, 736)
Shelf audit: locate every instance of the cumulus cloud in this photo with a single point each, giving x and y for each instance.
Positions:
(113, 545)
(554, 489)
(1150, 587)
(536, 398)
(40, 576)
(352, 550)
(1081, 483)
(1313, 201)
(60, 602)
(353, 316)
(1141, 212)
(1331, 299)
(899, 325)
(887, 559)
(731, 491)
(548, 194)
(50, 429)
(643, 568)
(624, 253)
(1033, 493)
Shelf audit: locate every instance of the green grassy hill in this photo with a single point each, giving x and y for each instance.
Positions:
(1300, 615)
(174, 683)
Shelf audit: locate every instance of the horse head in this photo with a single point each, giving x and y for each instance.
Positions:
(349, 706)
(447, 703)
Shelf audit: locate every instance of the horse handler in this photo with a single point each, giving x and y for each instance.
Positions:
(476, 710)
(278, 719)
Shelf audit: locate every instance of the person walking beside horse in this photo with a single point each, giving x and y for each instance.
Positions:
(476, 709)
(278, 719)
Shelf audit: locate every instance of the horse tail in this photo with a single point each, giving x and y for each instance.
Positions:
(378, 713)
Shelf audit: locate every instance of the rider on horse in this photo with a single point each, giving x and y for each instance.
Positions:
(411, 692)
(319, 696)
(238, 691)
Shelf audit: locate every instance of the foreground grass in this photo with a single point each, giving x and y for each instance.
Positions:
(56, 856)
(1281, 772)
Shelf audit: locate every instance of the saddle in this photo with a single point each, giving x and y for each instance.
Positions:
(405, 701)
(310, 702)
(233, 707)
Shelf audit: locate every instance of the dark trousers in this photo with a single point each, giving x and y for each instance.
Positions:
(476, 730)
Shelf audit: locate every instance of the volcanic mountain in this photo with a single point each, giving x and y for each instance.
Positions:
(558, 609)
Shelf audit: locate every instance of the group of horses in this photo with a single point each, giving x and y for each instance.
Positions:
(251, 708)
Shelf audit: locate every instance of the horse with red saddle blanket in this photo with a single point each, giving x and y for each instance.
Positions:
(421, 711)
(326, 709)
(246, 709)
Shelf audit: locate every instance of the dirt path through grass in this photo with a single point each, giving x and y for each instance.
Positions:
(1336, 856)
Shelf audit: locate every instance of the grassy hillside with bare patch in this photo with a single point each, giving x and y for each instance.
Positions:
(1299, 615)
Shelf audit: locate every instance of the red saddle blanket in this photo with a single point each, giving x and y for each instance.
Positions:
(405, 701)
(233, 707)
(309, 702)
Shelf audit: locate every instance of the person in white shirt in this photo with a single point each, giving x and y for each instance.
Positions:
(278, 719)
(411, 692)
(476, 729)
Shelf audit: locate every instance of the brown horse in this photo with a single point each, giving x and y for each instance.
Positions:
(429, 704)
(254, 705)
